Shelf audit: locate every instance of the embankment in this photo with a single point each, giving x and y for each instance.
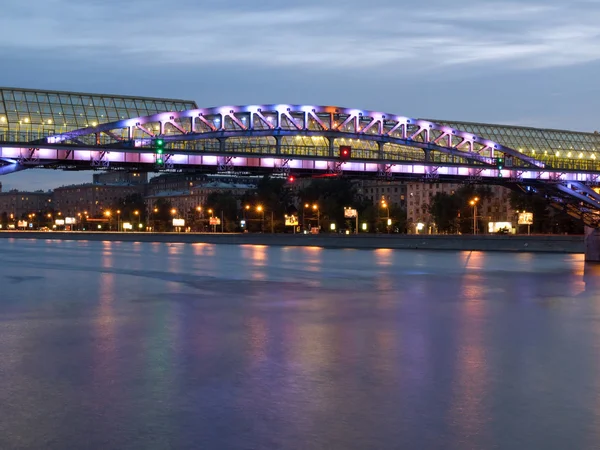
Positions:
(522, 243)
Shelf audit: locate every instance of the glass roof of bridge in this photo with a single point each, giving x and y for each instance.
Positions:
(49, 112)
(534, 141)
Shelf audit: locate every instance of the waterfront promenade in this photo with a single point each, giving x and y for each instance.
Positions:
(519, 243)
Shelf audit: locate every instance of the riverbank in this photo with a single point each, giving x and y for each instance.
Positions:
(521, 243)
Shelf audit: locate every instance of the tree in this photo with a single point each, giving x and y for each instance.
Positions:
(224, 205)
(332, 195)
(161, 215)
(129, 205)
(445, 209)
(275, 198)
(545, 218)
(453, 213)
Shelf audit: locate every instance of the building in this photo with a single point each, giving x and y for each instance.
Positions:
(419, 195)
(120, 177)
(180, 182)
(18, 204)
(393, 192)
(93, 198)
(186, 202)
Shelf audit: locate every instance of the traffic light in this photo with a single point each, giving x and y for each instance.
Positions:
(159, 146)
(345, 152)
(291, 179)
(500, 163)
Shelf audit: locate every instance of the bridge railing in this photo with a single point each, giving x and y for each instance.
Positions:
(262, 146)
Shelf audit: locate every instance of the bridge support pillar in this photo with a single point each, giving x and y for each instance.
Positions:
(278, 145)
(592, 245)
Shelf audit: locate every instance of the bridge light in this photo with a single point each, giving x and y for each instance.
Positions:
(500, 163)
(159, 146)
(345, 152)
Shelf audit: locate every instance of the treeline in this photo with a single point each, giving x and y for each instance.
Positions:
(319, 203)
(453, 213)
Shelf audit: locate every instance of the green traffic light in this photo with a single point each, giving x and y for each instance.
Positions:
(159, 161)
(159, 142)
(159, 151)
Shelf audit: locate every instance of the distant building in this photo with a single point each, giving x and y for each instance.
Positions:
(393, 192)
(20, 204)
(93, 198)
(120, 177)
(181, 182)
(419, 195)
(188, 200)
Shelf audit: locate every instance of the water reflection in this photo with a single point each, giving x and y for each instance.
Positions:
(201, 346)
(467, 412)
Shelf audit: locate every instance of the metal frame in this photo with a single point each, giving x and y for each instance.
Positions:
(263, 137)
(279, 121)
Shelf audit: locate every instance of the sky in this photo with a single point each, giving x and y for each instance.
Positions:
(526, 62)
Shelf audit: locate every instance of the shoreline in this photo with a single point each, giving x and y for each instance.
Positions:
(500, 243)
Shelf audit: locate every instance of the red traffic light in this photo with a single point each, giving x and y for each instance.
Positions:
(291, 178)
(345, 151)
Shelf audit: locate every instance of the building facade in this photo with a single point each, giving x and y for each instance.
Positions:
(91, 198)
(186, 202)
(18, 204)
(393, 192)
(120, 177)
(181, 182)
(419, 195)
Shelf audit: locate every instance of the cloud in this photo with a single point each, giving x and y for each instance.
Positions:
(394, 36)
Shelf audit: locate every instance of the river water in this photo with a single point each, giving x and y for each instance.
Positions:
(107, 345)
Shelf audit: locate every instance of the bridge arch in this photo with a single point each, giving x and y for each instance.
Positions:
(295, 130)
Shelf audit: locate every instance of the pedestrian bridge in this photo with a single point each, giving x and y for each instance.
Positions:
(306, 139)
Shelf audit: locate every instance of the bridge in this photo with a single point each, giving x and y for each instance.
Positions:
(306, 140)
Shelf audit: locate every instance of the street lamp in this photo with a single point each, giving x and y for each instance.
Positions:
(199, 211)
(473, 203)
(107, 213)
(261, 210)
(315, 207)
(385, 205)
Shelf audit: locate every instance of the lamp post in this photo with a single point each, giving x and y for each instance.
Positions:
(155, 219)
(261, 210)
(385, 205)
(315, 207)
(210, 211)
(473, 203)
(107, 213)
(118, 220)
(173, 213)
(199, 211)
(136, 213)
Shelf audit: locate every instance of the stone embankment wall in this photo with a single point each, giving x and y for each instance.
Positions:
(551, 244)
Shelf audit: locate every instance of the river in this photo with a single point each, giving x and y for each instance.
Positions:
(194, 346)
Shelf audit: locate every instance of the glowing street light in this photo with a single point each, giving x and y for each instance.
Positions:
(473, 203)
(384, 204)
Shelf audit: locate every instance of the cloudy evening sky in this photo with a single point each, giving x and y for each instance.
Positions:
(524, 62)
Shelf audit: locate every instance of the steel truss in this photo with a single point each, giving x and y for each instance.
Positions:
(292, 135)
